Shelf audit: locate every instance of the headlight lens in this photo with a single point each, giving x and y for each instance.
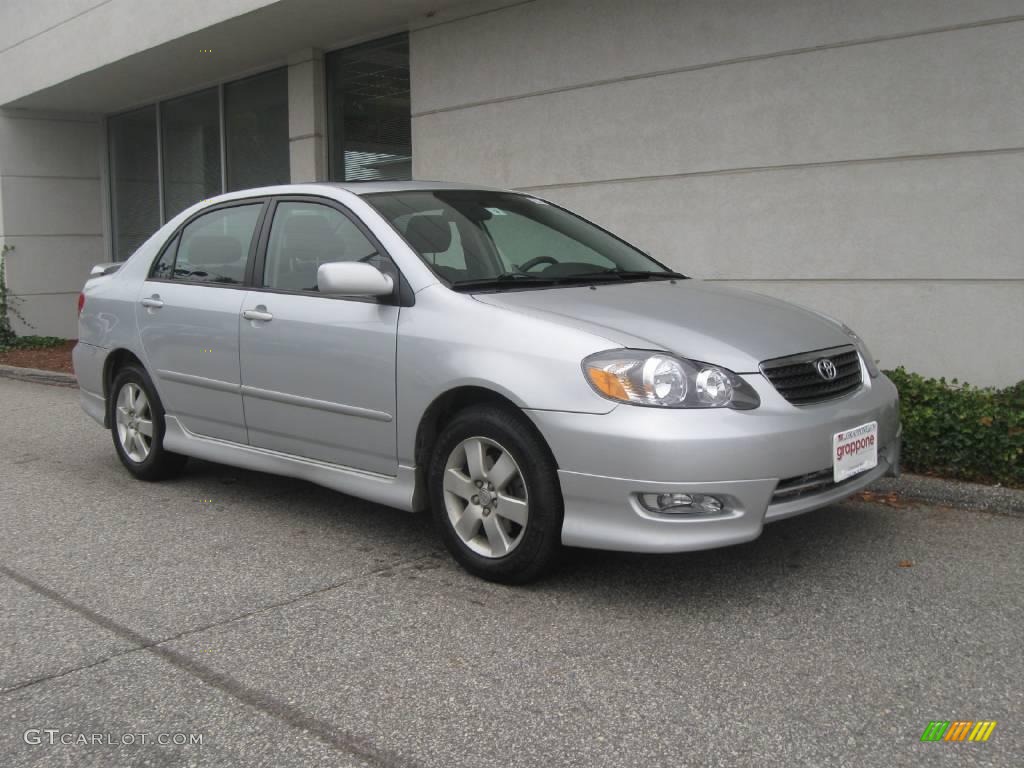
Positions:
(663, 379)
(659, 379)
(714, 387)
(869, 361)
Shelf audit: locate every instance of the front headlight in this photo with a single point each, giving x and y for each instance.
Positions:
(869, 361)
(659, 379)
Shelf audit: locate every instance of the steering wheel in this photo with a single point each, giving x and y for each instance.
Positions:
(526, 266)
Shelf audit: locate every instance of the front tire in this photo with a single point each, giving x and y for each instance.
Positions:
(495, 496)
(137, 426)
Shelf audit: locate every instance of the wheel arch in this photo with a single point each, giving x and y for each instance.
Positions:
(116, 360)
(440, 411)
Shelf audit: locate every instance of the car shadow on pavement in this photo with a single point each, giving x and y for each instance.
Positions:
(823, 544)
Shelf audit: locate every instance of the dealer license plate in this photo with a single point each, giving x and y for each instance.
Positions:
(854, 451)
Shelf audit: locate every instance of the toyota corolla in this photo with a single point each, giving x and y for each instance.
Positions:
(527, 377)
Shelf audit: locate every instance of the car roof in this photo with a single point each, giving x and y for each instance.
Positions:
(360, 188)
(373, 187)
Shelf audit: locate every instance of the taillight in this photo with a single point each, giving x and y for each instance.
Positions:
(81, 302)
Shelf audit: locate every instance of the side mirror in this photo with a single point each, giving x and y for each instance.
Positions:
(352, 278)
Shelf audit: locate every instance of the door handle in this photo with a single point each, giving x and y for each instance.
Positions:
(257, 314)
(153, 302)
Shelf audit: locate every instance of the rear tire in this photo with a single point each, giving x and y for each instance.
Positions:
(137, 427)
(495, 497)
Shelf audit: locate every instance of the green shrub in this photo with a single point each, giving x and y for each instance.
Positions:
(959, 431)
(8, 303)
(8, 307)
(35, 342)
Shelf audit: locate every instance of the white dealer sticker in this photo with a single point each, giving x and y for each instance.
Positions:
(854, 450)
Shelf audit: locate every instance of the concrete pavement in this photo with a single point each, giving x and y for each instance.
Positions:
(289, 625)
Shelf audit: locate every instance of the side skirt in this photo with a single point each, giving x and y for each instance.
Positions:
(395, 491)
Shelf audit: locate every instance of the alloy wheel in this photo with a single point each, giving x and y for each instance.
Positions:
(485, 497)
(134, 418)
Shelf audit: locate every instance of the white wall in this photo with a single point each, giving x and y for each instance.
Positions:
(865, 158)
(46, 43)
(50, 211)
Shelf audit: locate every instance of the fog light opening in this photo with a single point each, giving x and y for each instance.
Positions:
(682, 503)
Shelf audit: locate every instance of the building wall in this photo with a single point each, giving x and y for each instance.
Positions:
(51, 213)
(51, 42)
(864, 158)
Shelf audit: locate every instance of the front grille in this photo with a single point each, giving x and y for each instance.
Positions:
(797, 379)
(804, 485)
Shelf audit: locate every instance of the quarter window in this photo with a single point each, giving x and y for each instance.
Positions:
(214, 248)
(305, 235)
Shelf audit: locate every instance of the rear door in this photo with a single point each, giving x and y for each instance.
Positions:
(188, 315)
(318, 372)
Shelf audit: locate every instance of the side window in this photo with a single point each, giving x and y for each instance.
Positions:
(164, 267)
(305, 235)
(214, 248)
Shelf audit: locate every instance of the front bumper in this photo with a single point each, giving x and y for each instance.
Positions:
(607, 460)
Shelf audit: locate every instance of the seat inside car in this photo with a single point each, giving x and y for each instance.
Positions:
(431, 235)
(307, 242)
(219, 255)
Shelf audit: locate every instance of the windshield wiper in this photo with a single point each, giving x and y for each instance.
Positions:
(508, 278)
(631, 274)
(504, 280)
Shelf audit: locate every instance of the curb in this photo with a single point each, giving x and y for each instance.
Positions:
(995, 499)
(38, 376)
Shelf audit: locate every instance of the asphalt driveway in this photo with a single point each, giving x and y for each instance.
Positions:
(289, 625)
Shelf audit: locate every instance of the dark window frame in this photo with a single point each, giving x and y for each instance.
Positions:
(402, 295)
(174, 239)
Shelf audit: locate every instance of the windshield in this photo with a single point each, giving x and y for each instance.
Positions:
(481, 239)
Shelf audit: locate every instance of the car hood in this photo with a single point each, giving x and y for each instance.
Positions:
(711, 323)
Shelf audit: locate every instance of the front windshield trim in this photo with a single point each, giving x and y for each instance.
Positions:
(517, 280)
(540, 282)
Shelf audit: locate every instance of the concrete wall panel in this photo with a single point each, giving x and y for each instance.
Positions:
(50, 206)
(561, 43)
(954, 217)
(949, 92)
(108, 31)
(50, 147)
(22, 20)
(41, 265)
(54, 314)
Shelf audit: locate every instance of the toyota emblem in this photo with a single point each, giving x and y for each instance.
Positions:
(826, 369)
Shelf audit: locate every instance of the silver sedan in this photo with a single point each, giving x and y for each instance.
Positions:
(527, 377)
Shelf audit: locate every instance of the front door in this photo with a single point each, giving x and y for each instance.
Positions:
(188, 319)
(318, 372)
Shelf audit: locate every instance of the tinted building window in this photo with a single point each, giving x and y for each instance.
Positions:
(256, 130)
(368, 111)
(135, 193)
(190, 133)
